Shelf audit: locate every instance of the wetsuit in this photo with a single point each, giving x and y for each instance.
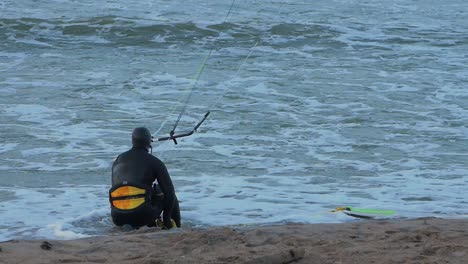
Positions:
(136, 166)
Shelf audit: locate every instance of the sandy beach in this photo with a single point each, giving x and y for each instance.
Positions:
(425, 240)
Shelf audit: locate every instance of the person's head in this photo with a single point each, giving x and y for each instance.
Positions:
(141, 137)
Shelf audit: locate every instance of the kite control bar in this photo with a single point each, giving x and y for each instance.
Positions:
(172, 136)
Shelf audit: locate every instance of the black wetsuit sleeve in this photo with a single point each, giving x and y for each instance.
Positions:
(113, 180)
(176, 212)
(165, 182)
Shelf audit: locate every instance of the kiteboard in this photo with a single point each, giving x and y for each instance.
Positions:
(364, 212)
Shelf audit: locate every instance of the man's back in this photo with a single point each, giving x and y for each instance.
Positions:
(134, 166)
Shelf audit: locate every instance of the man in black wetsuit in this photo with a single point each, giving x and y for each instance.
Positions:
(137, 167)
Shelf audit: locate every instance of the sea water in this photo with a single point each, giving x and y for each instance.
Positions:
(340, 103)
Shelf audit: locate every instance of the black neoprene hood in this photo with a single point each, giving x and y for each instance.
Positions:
(141, 135)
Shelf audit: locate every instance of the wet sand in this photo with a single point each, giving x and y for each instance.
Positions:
(425, 240)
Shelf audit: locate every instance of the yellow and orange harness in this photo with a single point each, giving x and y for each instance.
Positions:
(127, 196)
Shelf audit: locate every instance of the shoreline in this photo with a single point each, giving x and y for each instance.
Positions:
(421, 240)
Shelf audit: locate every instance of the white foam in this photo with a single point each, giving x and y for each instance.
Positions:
(51, 212)
(260, 88)
(58, 231)
(33, 42)
(51, 55)
(258, 205)
(30, 112)
(11, 60)
(159, 39)
(97, 75)
(93, 39)
(40, 151)
(7, 90)
(5, 147)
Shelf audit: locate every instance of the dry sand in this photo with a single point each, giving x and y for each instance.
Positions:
(428, 240)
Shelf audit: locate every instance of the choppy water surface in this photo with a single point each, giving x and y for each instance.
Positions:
(340, 103)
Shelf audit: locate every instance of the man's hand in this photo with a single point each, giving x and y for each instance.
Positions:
(165, 224)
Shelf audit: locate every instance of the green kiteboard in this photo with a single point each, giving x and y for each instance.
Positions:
(364, 212)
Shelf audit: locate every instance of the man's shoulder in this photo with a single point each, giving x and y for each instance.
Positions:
(152, 157)
(123, 154)
(155, 159)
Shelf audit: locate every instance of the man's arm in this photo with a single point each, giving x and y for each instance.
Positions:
(165, 182)
(113, 180)
(176, 212)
